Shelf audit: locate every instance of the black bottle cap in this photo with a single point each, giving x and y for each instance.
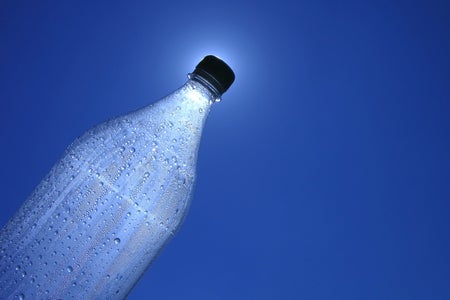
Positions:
(216, 72)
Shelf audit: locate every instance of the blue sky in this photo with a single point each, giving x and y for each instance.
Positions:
(324, 172)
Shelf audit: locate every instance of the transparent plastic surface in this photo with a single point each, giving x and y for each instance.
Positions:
(107, 208)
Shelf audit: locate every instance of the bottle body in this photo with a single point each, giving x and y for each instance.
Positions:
(106, 209)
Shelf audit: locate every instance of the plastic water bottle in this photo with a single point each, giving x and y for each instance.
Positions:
(117, 196)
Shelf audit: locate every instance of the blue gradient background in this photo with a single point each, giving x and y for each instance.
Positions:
(323, 174)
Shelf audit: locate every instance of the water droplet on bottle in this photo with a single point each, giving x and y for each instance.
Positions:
(200, 110)
(116, 241)
(132, 149)
(69, 269)
(146, 174)
(21, 296)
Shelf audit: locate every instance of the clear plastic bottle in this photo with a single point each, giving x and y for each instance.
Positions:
(117, 196)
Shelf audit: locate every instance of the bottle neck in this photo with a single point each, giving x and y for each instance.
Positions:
(214, 94)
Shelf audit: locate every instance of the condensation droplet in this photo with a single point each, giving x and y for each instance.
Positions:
(69, 269)
(116, 241)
